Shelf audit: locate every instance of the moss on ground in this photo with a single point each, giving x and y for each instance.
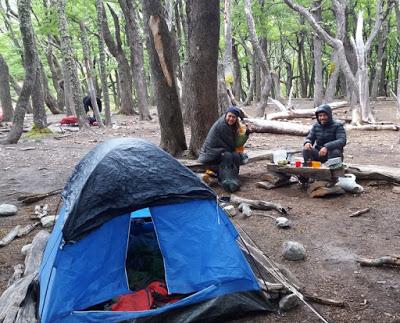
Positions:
(35, 133)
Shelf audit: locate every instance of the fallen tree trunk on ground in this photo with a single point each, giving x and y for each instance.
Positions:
(13, 296)
(255, 155)
(298, 129)
(379, 262)
(302, 113)
(362, 172)
(258, 204)
(375, 172)
(278, 127)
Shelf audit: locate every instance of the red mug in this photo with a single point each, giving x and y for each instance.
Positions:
(297, 163)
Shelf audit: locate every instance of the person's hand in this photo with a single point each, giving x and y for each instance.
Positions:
(323, 152)
(308, 146)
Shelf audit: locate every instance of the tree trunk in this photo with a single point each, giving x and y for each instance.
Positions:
(89, 73)
(202, 57)
(137, 62)
(56, 77)
(49, 100)
(102, 65)
(5, 94)
(115, 48)
(70, 71)
(318, 45)
(397, 10)
(18, 90)
(382, 38)
(237, 75)
(39, 112)
(228, 66)
(261, 59)
(223, 98)
(160, 52)
(30, 63)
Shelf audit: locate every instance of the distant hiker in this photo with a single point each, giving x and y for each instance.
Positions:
(326, 139)
(222, 150)
(87, 102)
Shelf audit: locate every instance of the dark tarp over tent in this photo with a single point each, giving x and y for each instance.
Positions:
(124, 175)
(84, 263)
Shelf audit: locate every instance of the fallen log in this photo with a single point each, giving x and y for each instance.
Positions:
(360, 212)
(324, 301)
(10, 236)
(31, 198)
(278, 127)
(362, 172)
(302, 113)
(14, 295)
(258, 204)
(391, 261)
(374, 127)
(254, 155)
(375, 172)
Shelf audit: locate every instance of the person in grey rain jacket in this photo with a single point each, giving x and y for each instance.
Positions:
(326, 138)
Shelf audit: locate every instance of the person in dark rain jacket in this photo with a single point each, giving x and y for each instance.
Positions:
(218, 152)
(326, 138)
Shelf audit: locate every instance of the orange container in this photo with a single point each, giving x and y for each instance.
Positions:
(315, 164)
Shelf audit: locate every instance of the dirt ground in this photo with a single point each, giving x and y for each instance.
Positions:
(333, 240)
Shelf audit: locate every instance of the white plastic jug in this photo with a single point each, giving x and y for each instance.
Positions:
(348, 183)
(279, 155)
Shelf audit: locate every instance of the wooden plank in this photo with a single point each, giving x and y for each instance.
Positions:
(254, 155)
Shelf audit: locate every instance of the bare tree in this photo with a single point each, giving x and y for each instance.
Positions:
(70, 71)
(89, 73)
(362, 113)
(102, 55)
(5, 94)
(262, 60)
(30, 64)
(124, 70)
(137, 61)
(228, 63)
(164, 86)
(318, 44)
(201, 72)
(39, 112)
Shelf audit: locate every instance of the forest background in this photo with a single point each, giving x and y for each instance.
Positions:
(192, 59)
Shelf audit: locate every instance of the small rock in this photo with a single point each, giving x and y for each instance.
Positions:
(289, 302)
(396, 189)
(293, 250)
(230, 209)
(48, 221)
(25, 249)
(8, 210)
(282, 222)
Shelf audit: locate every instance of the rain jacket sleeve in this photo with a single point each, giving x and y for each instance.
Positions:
(311, 137)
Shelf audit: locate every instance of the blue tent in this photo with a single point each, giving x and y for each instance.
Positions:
(84, 263)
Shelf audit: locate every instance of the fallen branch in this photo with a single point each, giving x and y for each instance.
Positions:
(31, 198)
(10, 236)
(258, 204)
(379, 262)
(323, 301)
(374, 127)
(358, 213)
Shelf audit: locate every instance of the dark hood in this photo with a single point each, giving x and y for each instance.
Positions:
(327, 109)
